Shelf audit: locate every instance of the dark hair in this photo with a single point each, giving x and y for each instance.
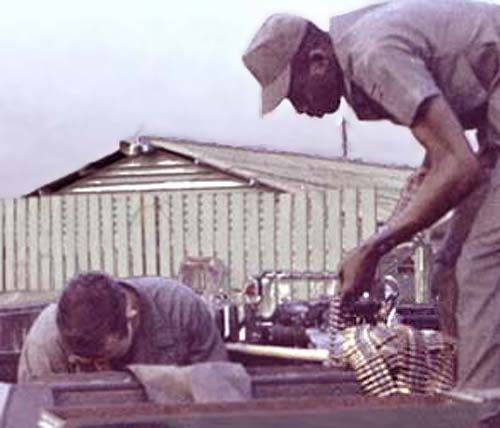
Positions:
(92, 307)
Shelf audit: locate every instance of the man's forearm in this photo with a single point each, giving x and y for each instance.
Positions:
(453, 172)
(408, 192)
(440, 191)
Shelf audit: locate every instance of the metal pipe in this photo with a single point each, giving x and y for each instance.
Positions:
(317, 355)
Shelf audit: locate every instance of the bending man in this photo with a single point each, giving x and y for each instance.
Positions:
(101, 323)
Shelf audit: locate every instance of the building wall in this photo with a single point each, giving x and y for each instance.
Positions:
(45, 240)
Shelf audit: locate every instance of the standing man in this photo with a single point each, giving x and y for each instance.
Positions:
(102, 323)
(434, 67)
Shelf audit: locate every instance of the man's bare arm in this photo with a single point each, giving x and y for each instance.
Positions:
(410, 188)
(453, 172)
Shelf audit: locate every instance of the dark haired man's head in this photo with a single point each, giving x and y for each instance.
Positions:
(92, 316)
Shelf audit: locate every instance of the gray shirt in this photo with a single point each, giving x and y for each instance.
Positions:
(396, 55)
(175, 328)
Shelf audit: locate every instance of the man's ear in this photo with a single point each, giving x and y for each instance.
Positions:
(131, 310)
(319, 61)
(131, 313)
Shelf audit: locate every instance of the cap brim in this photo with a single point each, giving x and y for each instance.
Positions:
(276, 91)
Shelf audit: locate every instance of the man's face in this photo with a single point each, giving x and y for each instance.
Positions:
(114, 348)
(316, 86)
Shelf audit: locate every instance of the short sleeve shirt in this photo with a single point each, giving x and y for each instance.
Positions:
(397, 55)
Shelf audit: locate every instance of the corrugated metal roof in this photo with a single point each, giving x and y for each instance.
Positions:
(295, 171)
(158, 164)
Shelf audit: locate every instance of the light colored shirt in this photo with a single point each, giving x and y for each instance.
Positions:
(397, 55)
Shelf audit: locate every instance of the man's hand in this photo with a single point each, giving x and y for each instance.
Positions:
(356, 273)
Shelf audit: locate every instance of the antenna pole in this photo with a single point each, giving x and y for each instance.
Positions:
(345, 142)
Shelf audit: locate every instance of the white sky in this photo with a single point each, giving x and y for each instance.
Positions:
(77, 76)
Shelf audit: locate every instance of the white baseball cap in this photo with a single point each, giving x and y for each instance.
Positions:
(270, 54)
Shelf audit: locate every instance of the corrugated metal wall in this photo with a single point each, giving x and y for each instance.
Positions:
(44, 241)
(157, 171)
